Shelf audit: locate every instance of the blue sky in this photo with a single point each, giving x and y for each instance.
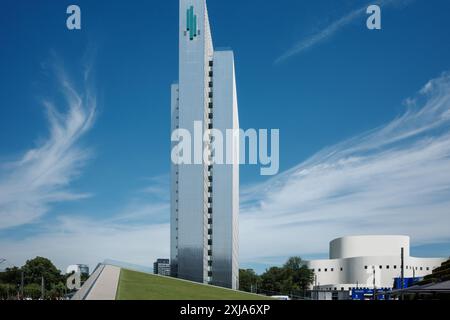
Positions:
(363, 119)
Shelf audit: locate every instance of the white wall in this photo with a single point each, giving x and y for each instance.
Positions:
(226, 175)
(358, 270)
(363, 246)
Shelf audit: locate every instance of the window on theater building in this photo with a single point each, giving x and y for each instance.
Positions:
(326, 269)
(395, 266)
(381, 267)
(387, 267)
(342, 269)
(428, 268)
(365, 267)
(421, 268)
(318, 270)
(332, 269)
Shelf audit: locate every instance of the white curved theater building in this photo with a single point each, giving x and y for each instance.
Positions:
(357, 261)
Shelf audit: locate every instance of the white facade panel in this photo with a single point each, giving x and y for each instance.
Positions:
(174, 185)
(226, 175)
(358, 246)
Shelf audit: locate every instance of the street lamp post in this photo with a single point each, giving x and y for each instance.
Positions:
(402, 275)
(374, 285)
(21, 285)
(42, 288)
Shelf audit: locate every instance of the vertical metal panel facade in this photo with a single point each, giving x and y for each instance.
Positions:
(194, 232)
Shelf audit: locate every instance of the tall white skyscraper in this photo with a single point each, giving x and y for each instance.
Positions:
(204, 197)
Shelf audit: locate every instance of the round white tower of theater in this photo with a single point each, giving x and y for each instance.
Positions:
(368, 246)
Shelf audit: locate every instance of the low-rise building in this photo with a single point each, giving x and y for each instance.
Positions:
(368, 262)
(82, 269)
(162, 267)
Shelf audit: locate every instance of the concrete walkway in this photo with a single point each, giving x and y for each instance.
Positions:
(105, 287)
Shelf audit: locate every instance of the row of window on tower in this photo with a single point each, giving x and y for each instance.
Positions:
(177, 125)
(387, 267)
(209, 119)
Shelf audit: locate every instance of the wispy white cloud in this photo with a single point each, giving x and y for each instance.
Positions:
(158, 187)
(70, 240)
(149, 204)
(137, 232)
(330, 30)
(41, 177)
(392, 180)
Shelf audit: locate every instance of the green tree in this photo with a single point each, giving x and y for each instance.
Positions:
(7, 291)
(40, 267)
(32, 291)
(57, 291)
(248, 280)
(271, 281)
(33, 271)
(291, 279)
(11, 276)
(299, 275)
(293, 263)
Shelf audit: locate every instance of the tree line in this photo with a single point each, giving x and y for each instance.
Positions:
(38, 278)
(292, 279)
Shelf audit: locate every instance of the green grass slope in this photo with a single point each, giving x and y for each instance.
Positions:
(142, 286)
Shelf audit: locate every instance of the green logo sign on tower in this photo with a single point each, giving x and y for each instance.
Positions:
(191, 23)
